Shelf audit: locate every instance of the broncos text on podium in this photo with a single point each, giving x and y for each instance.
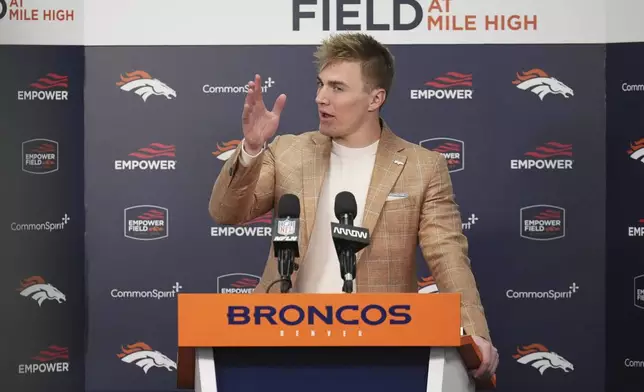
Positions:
(296, 319)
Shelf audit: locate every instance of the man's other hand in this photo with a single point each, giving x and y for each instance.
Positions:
(490, 359)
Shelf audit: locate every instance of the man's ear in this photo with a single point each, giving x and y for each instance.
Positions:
(377, 99)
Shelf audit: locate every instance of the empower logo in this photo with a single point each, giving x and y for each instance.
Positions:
(51, 87)
(538, 82)
(539, 357)
(452, 149)
(54, 359)
(146, 222)
(638, 291)
(40, 156)
(543, 222)
(37, 289)
(145, 357)
(237, 283)
(636, 230)
(258, 227)
(155, 156)
(144, 85)
(550, 156)
(452, 85)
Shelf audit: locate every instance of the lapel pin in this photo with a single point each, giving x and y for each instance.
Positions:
(397, 162)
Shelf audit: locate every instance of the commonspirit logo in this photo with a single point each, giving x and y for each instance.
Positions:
(41, 226)
(235, 89)
(551, 294)
(631, 363)
(156, 294)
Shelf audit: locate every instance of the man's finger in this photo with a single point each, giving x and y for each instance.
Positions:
(258, 87)
(495, 363)
(249, 94)
(246, 113)
(487, 360)
(279, 104)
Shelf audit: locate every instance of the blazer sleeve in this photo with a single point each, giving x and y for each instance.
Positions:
(242, 193)
(445, 248)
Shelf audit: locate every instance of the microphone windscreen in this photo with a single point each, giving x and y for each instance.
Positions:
(345, 203)
(289, 206)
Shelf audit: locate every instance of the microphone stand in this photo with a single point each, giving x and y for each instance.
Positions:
(285, 265)
(347, 260)
(286, 269)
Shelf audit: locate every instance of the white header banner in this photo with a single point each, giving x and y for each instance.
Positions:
(307, 22)
(297, 22)
(41, 22)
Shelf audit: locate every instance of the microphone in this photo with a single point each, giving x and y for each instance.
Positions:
(286, 229)
(348, 239)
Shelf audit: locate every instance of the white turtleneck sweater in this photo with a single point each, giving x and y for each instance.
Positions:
(349, 170)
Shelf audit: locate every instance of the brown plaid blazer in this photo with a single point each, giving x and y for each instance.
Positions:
(429, 216)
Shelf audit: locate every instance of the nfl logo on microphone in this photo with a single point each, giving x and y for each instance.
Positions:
(286, 227)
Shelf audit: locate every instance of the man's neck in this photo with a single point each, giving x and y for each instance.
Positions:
(367, 134)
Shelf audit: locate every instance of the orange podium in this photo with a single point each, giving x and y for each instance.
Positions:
(323, 342)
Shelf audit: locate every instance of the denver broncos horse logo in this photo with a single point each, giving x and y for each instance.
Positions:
(226, 150)
(36, 288)
(542, 359)
(537, 81)
(637, 150)
(145, 357)
(144, 85)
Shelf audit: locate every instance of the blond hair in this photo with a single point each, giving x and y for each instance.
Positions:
(376, 61)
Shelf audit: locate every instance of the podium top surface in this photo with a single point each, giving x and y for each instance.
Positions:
(300, 320)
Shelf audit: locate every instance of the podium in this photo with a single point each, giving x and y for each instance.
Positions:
(324, 342)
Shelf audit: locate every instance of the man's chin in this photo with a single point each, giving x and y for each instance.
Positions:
(325, 130)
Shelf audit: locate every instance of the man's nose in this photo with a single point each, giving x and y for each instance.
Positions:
(321, 98)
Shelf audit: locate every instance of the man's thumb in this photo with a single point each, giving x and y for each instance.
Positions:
(279, 104)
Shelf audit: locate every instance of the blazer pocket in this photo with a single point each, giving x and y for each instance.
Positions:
(400, 204)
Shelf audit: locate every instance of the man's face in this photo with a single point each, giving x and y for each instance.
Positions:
(342, 99)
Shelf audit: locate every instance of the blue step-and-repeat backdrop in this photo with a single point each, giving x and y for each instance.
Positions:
(110, 153)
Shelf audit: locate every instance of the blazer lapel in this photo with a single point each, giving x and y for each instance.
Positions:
(387, 168)
(315, 165)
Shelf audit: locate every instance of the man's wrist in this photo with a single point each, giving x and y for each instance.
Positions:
(252, 150)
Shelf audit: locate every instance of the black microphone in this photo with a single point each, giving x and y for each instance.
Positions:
(286, 230)
(348, 239)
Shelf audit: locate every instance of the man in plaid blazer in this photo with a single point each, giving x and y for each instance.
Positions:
(407, 197)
